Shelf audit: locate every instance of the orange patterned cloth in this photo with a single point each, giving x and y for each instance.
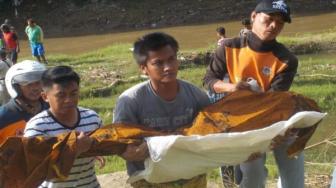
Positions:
(26, 162)
(246, 110)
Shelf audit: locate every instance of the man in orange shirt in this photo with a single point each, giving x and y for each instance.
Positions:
(258, 62)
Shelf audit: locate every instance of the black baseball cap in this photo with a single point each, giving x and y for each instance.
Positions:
(274, 6)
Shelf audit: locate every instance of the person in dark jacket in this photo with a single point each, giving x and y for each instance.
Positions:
(24, 87)
(258, 62)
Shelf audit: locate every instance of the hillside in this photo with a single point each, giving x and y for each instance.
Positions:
(81, 17)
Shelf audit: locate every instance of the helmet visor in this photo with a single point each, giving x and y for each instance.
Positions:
(28, 78)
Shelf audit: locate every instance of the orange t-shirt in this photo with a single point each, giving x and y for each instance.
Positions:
(10, 39)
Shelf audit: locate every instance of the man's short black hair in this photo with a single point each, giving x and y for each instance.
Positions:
(31, 20)
(221, 30)
(246, 21)
(5, 28)
(152, 42)
(62, 75)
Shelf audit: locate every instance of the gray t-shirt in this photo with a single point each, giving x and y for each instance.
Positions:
(140, 105)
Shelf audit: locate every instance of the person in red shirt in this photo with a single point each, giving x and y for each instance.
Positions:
(11, 42)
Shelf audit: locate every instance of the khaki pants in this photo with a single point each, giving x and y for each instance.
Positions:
(195, 182)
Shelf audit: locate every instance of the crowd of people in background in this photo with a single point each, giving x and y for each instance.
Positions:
(10, 48)
(41, 101)
(10, 41)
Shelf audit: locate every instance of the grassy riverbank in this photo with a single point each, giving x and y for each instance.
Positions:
(107, 72)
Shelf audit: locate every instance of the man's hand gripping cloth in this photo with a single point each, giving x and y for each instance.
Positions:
(246, 123)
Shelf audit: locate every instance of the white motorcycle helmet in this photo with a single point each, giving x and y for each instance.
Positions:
(25, 72)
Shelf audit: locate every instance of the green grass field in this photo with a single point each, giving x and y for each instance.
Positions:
(316, 79)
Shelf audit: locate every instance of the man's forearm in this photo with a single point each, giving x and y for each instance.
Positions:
(221, 87)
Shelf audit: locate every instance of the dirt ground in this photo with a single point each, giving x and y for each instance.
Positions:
(118, 180)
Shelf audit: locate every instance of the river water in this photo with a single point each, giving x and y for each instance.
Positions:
(189, 37)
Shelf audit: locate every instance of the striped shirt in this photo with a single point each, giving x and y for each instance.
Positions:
(82, 173)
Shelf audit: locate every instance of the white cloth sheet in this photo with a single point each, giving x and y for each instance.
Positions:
(183, 157)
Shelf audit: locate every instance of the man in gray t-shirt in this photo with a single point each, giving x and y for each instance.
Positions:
(141, 105)
(162, 103)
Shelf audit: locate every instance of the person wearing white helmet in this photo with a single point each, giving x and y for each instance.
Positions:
(24, 87)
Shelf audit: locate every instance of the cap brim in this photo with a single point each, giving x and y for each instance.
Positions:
(285, 16)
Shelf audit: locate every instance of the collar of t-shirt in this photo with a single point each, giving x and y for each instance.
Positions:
(65, 126)
(256, 44)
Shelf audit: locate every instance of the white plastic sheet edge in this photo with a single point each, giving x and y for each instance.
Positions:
(160, 166)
